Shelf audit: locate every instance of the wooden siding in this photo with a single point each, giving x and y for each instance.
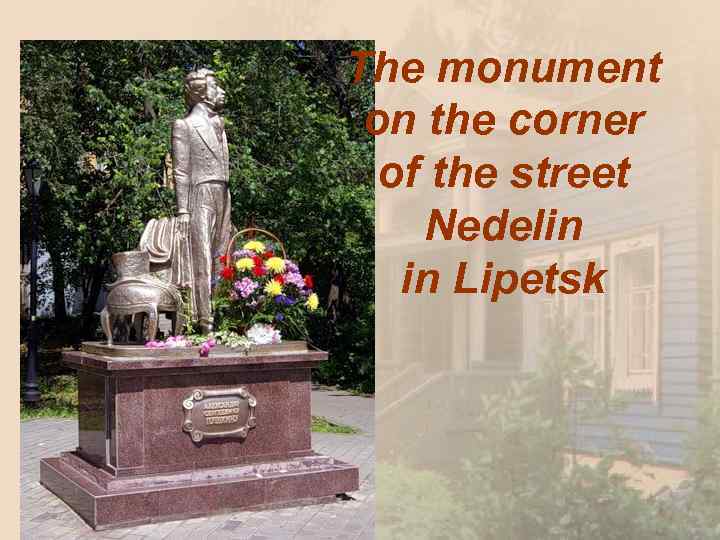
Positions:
(668, 193)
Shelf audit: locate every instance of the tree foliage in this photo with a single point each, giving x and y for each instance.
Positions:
(97, 115)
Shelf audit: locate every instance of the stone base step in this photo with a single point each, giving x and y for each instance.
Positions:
(302, 481)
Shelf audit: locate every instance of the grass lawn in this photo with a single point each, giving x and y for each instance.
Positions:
(59, 399)
(321, 424)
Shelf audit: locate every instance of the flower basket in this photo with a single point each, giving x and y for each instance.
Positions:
(242, 232)
(260, 293)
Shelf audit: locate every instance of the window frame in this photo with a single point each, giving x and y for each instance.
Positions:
(530, 305)
(624, 379)
(607, 251)
(644, 290)
(590, 252)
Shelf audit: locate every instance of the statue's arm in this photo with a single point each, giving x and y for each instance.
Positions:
(181, 164)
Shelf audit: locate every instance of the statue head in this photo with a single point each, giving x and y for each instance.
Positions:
(201, 86)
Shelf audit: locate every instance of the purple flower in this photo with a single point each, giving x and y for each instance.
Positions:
(206, 346)
(291, 266)
(239, 254)
(246, 286)
(295, 278)
(284, 300)
(279, 317)
(170, 343)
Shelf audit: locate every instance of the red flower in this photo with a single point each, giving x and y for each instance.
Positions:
(227, 273)
(269, 253)
(223, 259)
(257, 260)
(280, 279)
(259, 271)
(309, 283)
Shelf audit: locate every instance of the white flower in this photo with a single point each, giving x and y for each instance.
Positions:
(263, 334)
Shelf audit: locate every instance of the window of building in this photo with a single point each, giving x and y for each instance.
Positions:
(617, 330)
(539, 313)
(585, 313)
(634, 314)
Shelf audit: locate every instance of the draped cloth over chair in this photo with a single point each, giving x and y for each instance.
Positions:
(169, 253)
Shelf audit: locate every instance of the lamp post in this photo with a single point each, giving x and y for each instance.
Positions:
(33, 182)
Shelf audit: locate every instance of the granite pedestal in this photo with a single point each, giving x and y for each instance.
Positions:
(167, 435)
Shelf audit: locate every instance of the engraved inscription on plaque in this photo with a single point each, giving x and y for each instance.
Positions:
(219, 413)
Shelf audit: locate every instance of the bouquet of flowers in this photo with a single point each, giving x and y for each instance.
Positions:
(262, 294)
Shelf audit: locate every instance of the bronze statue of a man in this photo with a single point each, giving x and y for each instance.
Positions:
(201, 170)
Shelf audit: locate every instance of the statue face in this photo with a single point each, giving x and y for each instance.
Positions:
(214, 94)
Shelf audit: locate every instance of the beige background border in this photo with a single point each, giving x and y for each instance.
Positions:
(391, 24)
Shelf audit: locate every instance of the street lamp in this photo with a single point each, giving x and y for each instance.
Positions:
(33, 181)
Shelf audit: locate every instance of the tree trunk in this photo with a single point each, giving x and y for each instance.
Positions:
(58, 272)
(149, 109)
(97, 275)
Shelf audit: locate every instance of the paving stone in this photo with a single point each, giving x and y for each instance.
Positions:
(44, 516)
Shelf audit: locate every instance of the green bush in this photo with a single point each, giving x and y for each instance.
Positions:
(522, 483)
(59, 398)
(701, 500)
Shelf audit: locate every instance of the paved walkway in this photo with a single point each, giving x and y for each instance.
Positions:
(44, 516)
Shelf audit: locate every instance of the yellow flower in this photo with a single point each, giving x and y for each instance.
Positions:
(276, 264)
(254, 245)
(246, 263)
(312, 302)
(273, 288)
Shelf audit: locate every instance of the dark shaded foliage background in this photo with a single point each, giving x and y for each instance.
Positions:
(97, 115)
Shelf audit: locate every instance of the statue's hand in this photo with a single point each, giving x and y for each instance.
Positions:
(182, 224)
